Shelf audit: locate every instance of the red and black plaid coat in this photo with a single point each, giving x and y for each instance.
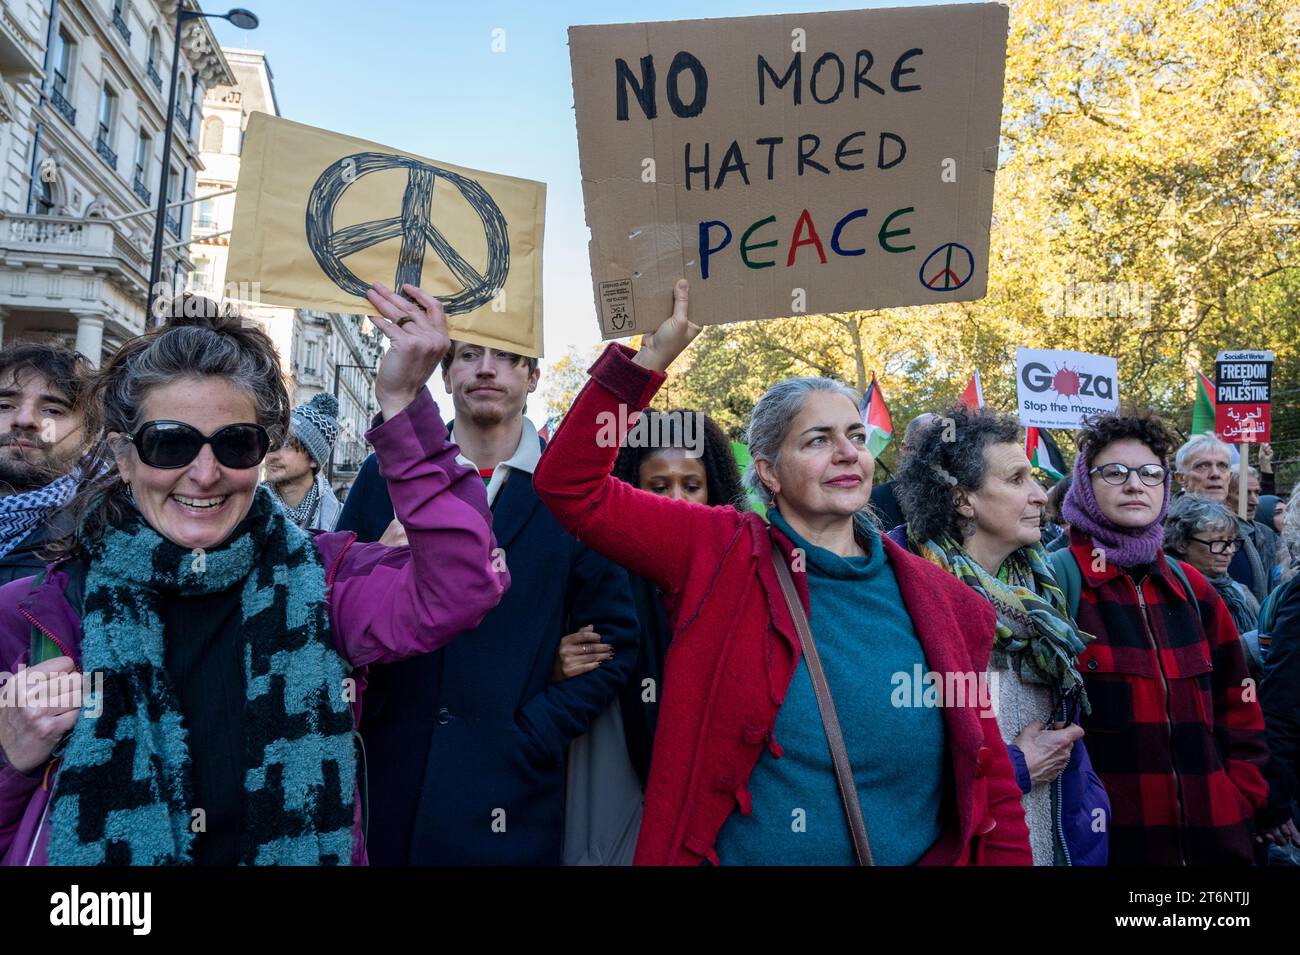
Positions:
(1175, 732)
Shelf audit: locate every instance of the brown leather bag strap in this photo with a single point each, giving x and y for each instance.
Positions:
(830, 722)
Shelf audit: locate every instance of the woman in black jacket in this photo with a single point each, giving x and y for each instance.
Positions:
(683, 455)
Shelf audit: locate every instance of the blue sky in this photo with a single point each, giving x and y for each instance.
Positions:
(421, 76)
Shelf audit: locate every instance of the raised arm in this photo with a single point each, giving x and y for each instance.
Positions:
(648, 534)
(392, 602)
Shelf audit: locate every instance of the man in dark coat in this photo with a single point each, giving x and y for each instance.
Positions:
(42, 434)
(883, 498)
(466, 746)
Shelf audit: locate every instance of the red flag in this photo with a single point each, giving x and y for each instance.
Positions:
(973, 396)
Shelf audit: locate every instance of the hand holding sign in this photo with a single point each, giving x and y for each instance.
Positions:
(661, 347)
(418, 338)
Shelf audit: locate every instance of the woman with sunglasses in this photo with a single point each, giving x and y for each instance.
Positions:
(1175, 732)
(1204, 534)
(209, 650)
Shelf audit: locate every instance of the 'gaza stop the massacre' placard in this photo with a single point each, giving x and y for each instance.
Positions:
(785, 165)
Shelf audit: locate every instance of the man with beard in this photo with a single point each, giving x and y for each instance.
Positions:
(466, 746)
(295, 470)
(43, 431)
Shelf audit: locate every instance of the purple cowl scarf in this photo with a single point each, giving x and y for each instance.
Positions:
(1123, 546)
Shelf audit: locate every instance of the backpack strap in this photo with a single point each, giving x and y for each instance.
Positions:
(1068, 577)
(1177, 567)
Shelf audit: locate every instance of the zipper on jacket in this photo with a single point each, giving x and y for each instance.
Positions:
(45, 815)
(41, 627)
(1059, 786)
(1169, 723)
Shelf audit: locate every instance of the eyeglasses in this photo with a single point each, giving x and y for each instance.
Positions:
(174, 444)
(1219, 547)
(1148, 474)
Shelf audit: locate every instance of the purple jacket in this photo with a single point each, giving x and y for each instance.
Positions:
(385, 603)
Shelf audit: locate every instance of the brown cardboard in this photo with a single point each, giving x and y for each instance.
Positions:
(646, 234)
(292, 176)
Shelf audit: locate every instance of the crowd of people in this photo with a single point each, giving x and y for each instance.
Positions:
(500, 650)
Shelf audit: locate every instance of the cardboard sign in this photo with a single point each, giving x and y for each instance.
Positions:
(319, 217)
(1059, 389)
(1243, 392)
(785, 165)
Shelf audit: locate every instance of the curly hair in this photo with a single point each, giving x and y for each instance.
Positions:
(721, 474)
(1146, 427)
(208, 344)
(949, 455)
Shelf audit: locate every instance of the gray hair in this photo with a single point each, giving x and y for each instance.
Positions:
(1288, 550)
(1196, 445)
(770, 421)
(1191, 515)
(1235, 477)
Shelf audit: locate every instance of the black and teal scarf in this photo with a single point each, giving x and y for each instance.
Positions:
(124, 795)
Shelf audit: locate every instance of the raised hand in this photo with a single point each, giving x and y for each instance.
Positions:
(418, 338)
(664, 344)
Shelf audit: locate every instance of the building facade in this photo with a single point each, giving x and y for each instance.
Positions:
(319, 351)
(83, 98)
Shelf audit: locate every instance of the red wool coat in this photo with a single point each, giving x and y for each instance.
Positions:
(735, 649)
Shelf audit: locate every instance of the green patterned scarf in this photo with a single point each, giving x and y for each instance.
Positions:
(124, 793)
(1034, 627)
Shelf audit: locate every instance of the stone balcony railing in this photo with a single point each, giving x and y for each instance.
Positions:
(76, 239)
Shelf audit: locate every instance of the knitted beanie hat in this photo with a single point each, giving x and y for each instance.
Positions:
(316, 425)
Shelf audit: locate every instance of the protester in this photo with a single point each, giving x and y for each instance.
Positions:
(1253, 564)
(467, 747)
(1271, 513)
(974, 509)
(1055, 521)
(1204, 534)
(709, 477)
(739, 724)
(42, 434)
(1203, 465)
(1176, 741)
(884, 497)
(295, 472)
(1279, 699)
(214, 636)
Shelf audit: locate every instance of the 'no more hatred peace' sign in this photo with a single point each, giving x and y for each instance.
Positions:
(321, 216)
(789, 164)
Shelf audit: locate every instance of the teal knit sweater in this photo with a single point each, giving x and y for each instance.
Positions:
(864, 637)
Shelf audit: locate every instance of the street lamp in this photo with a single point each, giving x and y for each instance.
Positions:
(245, 20)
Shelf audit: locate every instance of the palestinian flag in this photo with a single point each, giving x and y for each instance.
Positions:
(875, 415)
(973, 396)
(1043, 452)
(1203, 409)
(740, 452)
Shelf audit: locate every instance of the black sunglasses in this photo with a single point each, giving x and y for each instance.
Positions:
(174, 444)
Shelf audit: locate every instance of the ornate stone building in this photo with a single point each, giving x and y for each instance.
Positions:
(82, 101)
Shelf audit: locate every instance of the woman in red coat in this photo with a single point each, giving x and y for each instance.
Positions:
(741, 771)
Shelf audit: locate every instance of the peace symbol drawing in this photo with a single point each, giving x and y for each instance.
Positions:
(413, 224)
(947, 268)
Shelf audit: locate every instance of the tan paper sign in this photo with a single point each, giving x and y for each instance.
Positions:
(788, 165)
(319, 217)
